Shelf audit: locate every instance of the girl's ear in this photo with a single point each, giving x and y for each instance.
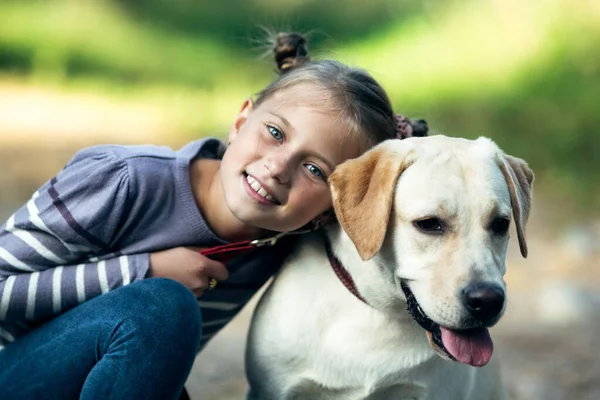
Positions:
(240, 119)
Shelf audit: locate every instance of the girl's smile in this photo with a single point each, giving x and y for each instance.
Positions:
(258, 191)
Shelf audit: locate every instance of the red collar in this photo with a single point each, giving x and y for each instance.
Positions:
(341, 272)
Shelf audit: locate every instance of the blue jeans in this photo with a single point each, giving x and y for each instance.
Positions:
(136, 342)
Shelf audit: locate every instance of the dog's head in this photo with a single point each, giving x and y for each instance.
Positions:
(435, 213)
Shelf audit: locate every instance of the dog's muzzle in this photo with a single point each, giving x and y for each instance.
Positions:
(470, 346)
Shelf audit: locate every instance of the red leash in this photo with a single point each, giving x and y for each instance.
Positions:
(226, 252)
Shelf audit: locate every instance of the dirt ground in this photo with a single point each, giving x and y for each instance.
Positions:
(548, 340)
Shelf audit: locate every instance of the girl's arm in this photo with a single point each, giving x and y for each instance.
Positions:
(46, 247)
(39, 295)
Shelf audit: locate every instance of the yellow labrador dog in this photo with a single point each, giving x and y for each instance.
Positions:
(397, 300)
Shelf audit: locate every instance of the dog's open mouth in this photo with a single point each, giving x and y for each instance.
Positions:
(470, 346)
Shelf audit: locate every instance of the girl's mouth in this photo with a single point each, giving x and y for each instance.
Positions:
(258, 191)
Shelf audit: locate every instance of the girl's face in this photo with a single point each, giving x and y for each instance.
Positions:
(274, 172)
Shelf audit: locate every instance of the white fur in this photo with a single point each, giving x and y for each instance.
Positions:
(312, 339)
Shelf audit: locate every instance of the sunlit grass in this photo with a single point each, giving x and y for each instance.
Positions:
(461, 51)
(194, 82)
(478, 47)
(67, 36)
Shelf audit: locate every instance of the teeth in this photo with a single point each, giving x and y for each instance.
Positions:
(258, 189)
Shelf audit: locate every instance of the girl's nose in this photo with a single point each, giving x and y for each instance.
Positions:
(278, 167)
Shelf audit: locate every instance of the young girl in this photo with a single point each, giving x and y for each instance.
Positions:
(117, 215)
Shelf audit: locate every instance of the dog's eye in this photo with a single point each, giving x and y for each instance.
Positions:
(500, 226)
(430, 225)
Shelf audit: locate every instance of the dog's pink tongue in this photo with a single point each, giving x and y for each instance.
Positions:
(473, 346)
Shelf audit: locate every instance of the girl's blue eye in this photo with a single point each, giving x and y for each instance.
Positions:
(276, 133)
(315, 171)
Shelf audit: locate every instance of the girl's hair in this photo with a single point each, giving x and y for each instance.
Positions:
(361, 102)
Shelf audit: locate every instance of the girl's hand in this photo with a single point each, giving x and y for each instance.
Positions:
(187, 266)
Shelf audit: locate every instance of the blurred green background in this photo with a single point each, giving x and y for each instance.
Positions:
(525, 73)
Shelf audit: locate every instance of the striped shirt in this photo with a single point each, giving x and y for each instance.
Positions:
(91, 228)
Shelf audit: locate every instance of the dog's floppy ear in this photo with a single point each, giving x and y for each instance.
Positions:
(363, 191)
(520, 180)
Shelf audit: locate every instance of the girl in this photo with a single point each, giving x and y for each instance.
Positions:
(117, 215)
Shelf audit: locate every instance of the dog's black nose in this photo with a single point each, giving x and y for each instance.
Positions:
(483, 300)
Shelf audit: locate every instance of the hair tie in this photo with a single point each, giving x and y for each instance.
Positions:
(405, 128)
